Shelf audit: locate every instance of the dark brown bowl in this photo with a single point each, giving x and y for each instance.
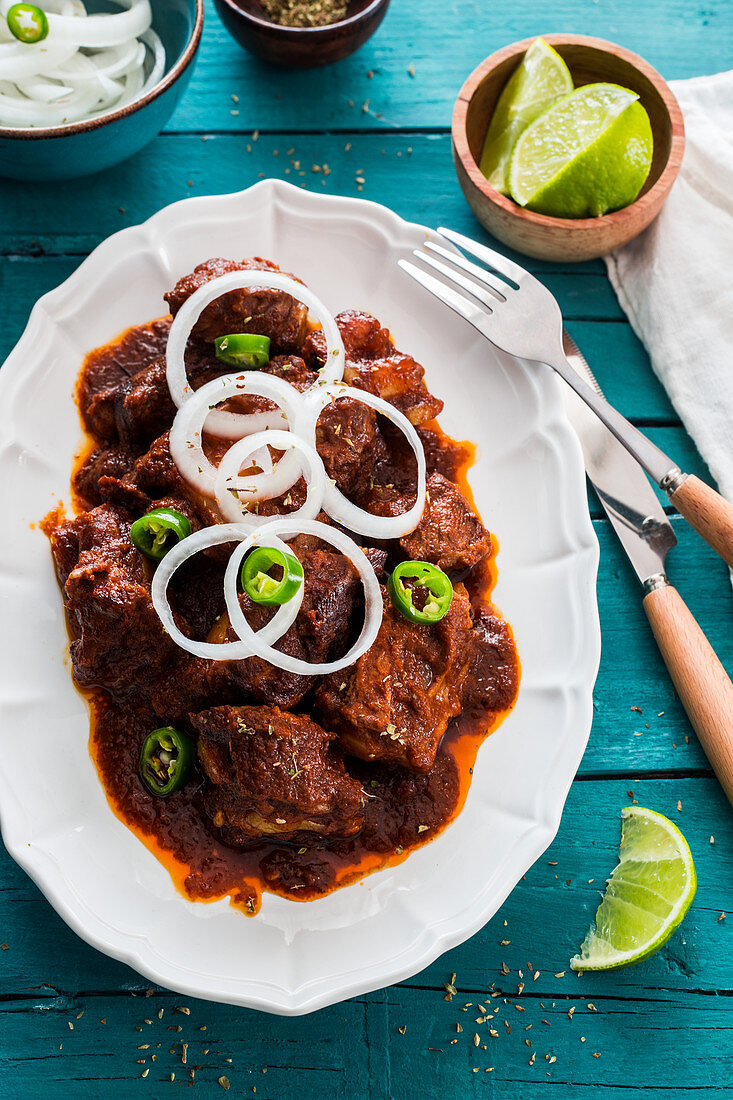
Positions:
(300, 47)
(589, 60)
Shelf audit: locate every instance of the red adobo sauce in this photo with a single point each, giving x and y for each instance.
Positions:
(404, 807)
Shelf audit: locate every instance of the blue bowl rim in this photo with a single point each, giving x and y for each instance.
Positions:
(33, 133)
(280, 30)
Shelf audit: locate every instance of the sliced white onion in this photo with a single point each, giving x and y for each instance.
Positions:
(98, 31)
(262, 458)
(259, 645)
(235, 493)
(217, 651)
(22, 59)
(229, 425)
(156, 47)
(194, 417)
(88, 64)
(339, 507)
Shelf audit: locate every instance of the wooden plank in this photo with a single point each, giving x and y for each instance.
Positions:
(546, 916)
(176, 167)
(443, 43)
(388, 1045)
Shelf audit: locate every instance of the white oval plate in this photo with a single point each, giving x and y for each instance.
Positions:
(529, 486)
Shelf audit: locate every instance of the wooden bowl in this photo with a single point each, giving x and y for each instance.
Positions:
(300, 47)
(589, 60)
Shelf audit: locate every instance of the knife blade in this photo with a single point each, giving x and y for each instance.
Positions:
(637, 517)
(621, 485)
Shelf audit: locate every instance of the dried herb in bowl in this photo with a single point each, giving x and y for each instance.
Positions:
(305, 13)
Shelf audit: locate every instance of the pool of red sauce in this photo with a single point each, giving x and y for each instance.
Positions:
(404, 811)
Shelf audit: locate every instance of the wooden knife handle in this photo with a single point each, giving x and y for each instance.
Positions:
(708, 512)
(701, 681)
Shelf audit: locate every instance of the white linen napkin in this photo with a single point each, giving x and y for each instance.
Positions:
(675, 281)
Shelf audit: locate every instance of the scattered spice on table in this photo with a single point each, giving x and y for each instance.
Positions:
(305, 13)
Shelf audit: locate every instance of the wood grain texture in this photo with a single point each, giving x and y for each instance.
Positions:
(356, 1049)
(709, 513)
(399, 1043)
(701, 681)
(443, 43)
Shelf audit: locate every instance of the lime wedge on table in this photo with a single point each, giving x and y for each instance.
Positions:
(539, 80)
(589, 153)
(647, 895)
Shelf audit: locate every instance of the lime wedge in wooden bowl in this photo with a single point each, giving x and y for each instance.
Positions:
(540, 79)
(590, 152)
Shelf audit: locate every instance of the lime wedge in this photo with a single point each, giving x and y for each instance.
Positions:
(540, 79)
(647, 895)
(589, 153)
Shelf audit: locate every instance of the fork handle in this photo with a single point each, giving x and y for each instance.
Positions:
(701, 681)
(704, 509)
(708, 512)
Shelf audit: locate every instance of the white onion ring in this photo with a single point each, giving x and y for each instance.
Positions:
(197, 413)
(261, 486)
(194, 416)
(265, 536)
(217, 651)
(98, 31)
(227, 425)
(339, 507)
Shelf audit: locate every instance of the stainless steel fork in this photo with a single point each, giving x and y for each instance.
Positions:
(517, 314)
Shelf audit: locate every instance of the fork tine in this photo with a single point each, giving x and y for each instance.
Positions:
(499, 289)
(500, 263)
(446, 294)
(493, 282)
(489, 300)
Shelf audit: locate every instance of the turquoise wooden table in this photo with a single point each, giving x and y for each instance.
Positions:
(75, 1024)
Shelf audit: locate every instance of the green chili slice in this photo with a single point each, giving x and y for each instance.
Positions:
(165, 760)
(158, 531)
(420, 591)
(259, 583)
(243, 349)
(27, 23)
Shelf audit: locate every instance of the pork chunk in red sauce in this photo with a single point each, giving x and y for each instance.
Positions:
(331, 597)
(274, 774)
(266, 312)
(347, 439)
(103, 371)
(450, 534)
(493, 676)
(395, 703)
(113, 462)
(374, 364)
(116, 633)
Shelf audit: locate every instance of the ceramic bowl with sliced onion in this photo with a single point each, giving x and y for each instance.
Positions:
(84, 84)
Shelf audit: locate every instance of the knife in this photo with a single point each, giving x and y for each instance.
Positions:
(646, 535)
